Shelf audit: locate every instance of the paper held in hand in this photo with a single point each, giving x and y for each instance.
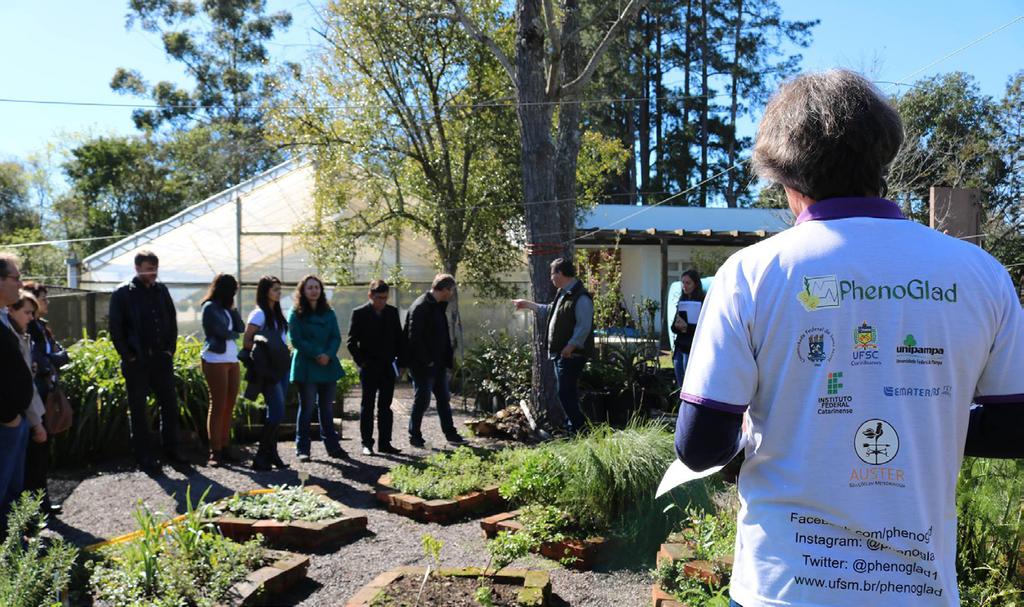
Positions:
(678, 474)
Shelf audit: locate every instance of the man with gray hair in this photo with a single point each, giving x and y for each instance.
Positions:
(17, 392)
(843, 356)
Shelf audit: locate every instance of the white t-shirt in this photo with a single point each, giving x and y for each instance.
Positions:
(856, 342)
(258, 318)
(230, 354)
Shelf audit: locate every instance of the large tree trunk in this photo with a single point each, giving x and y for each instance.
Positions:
(543, 221)
(705, 54)
(731, 195)
(659, 106)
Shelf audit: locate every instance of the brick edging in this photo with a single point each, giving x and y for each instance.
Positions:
(693, 568)
(584, 553)
(284, 570)
(535, 591)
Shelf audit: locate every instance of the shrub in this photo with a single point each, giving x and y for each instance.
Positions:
(30, 573)
(170, 564)
(283, 503)
(499, 364)
(446, 475)
(94, 384)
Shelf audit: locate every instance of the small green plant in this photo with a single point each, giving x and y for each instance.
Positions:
(284, 504)
(484, 596)
(32, 572)
(432, 549)
(672, 579)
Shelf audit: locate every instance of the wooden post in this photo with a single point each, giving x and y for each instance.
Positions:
(957, 212)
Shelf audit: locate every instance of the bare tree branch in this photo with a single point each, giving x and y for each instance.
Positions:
(483, 38)
(555, 59)
(574, 88)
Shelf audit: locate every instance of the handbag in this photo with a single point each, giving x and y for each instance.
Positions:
(58, 416)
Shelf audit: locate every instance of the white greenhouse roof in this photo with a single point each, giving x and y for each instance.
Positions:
(614, 217)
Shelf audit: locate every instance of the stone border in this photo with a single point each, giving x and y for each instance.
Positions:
(441, 511)
(297, 535)
(284, 570)
(705, 571)
(584, 553)
(535, 592)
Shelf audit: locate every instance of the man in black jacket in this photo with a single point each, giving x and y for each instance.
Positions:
(430, 355)
(375, 340)
(144, 329)
(16, 395)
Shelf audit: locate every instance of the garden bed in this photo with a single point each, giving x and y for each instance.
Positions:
(580, 554)
(292, 534)
(281, 571)
(695, 564)
(455, 588)
(440, 510)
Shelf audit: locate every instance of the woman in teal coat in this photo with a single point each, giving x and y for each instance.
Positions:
(313, 331)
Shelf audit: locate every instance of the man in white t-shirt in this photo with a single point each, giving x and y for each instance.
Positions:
(853, 345)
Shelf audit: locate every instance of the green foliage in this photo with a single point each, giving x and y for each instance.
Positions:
(604, 480)
(712, 534)
(990, 532)
(484, 596)
(499, 364)
(695, 593)
(446, 475)
(32, 572)
(284, 503)
(182, 563)
(601, 273)
(507, 547)
(432, 549)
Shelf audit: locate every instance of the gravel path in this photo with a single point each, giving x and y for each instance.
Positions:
(99, 506)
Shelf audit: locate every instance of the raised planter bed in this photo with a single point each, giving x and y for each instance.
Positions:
(442, 511)
(295, 535)
(282, 571)
(532, 588)
(709, 572)
(581, 554)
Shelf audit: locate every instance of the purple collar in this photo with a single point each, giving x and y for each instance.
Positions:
(841, 208)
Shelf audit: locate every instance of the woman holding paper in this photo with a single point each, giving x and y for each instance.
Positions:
(687, 312)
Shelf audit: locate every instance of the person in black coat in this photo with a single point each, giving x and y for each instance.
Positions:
(430, 355)
(144, 329)
(376, 342)
(17, 393)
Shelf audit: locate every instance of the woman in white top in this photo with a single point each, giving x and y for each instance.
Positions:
(221, 325)
(21, 314)
(267, 321)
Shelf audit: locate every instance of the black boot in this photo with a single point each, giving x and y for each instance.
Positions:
(268, 440)
(274, 458)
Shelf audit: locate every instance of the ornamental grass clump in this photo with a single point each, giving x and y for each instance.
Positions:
(446, 475)
(186, 562)
(604, 480)
(283, 504)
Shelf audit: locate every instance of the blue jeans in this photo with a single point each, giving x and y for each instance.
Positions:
(679, 360)
(318, 396)
(274, 398)
(567, 379)
(432, 380)
(13, 442)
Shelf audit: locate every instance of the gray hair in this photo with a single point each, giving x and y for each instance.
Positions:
(6, 261)
(828, 135)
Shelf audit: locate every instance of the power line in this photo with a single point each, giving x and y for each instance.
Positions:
(962, 48)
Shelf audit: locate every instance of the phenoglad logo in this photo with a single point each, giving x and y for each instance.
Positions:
(913, 353)
(917, 391)
(816, 346)
(819, 293)
(865, 346)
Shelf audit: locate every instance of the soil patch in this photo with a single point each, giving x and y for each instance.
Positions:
(446, 591)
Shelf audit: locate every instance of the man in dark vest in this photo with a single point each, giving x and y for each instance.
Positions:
(17, 393)
(377, 344)
(144, 329)
(570, 322)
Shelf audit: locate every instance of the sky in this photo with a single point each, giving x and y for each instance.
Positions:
(67, 50)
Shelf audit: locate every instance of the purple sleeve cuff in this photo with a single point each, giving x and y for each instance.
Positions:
(1000, 399)
(713, 404)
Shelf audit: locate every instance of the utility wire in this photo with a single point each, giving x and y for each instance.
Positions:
(962, 48)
